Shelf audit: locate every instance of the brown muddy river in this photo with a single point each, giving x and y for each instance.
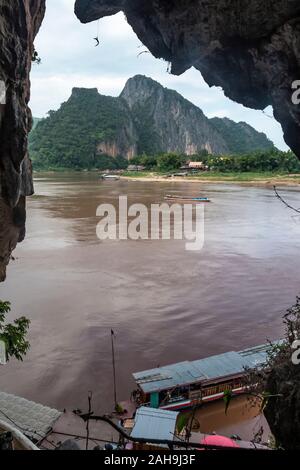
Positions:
(165, 304)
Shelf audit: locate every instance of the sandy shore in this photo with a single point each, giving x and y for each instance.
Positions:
(289, 180)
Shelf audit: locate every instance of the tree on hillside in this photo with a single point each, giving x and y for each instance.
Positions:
(169, 161)
(148, 161)
(13, 334)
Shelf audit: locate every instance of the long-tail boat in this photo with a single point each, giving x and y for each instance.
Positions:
(170, 197)
(187, 384)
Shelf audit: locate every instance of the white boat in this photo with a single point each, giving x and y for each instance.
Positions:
(110, 177)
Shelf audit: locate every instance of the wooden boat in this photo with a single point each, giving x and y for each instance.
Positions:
(188, 384)
(170, 197)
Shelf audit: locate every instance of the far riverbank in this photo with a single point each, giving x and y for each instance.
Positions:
(247, 178)
(267, 179)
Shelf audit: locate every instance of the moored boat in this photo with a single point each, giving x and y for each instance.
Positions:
(110, 177)
(188, 384)
(171, 197)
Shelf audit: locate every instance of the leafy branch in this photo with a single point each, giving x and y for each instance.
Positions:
(13, 334)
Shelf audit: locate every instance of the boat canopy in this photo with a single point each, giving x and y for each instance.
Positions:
(210, 369)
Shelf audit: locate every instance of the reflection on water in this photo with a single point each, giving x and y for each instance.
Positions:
(164, 303)
(243, 418)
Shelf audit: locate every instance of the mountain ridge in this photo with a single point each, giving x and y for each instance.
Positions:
(145, 118)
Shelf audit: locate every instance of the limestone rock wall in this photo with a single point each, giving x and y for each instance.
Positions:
(19, 24)
(173, 123)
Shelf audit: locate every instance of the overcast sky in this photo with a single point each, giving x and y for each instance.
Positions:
(70, 59)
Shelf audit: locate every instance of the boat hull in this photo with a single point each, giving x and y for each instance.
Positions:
(186, 405)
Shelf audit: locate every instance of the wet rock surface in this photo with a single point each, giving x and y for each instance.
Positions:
(251, 49)
(12, 231)
(19, 24)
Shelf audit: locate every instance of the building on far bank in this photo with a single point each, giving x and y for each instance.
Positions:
(198, 166)
(195, 166)
(136, 168)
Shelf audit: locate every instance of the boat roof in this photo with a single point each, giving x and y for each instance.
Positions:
(211, 368)
(152, 423)
(256, 356)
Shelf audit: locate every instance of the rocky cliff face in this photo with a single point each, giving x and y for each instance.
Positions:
(166, 122)
(19, 23)
(251, 49)
(87, 126)
(146, 118)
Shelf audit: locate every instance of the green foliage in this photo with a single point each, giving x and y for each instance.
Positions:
(105, 162)
(119, 409)
(69, 137)
(256, 162)
(227, 397)
(182, 421)
(240, 137)
(148, 161)
(169, 161)
(274, 386)
(13, 334)
(35, 122)
(271, 160)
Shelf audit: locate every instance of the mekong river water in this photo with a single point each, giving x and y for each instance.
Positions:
(164, 303)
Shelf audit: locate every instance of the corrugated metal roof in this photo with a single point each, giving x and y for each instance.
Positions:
(254, 357)
(168, 377)
(33, 419)
(154, 423)
(230, 363)
(258, 355)
(214, 367)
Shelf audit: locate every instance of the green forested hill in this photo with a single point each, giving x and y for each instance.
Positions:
(35, 122)
(70, 136)
(240, 137)
(95, 131)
